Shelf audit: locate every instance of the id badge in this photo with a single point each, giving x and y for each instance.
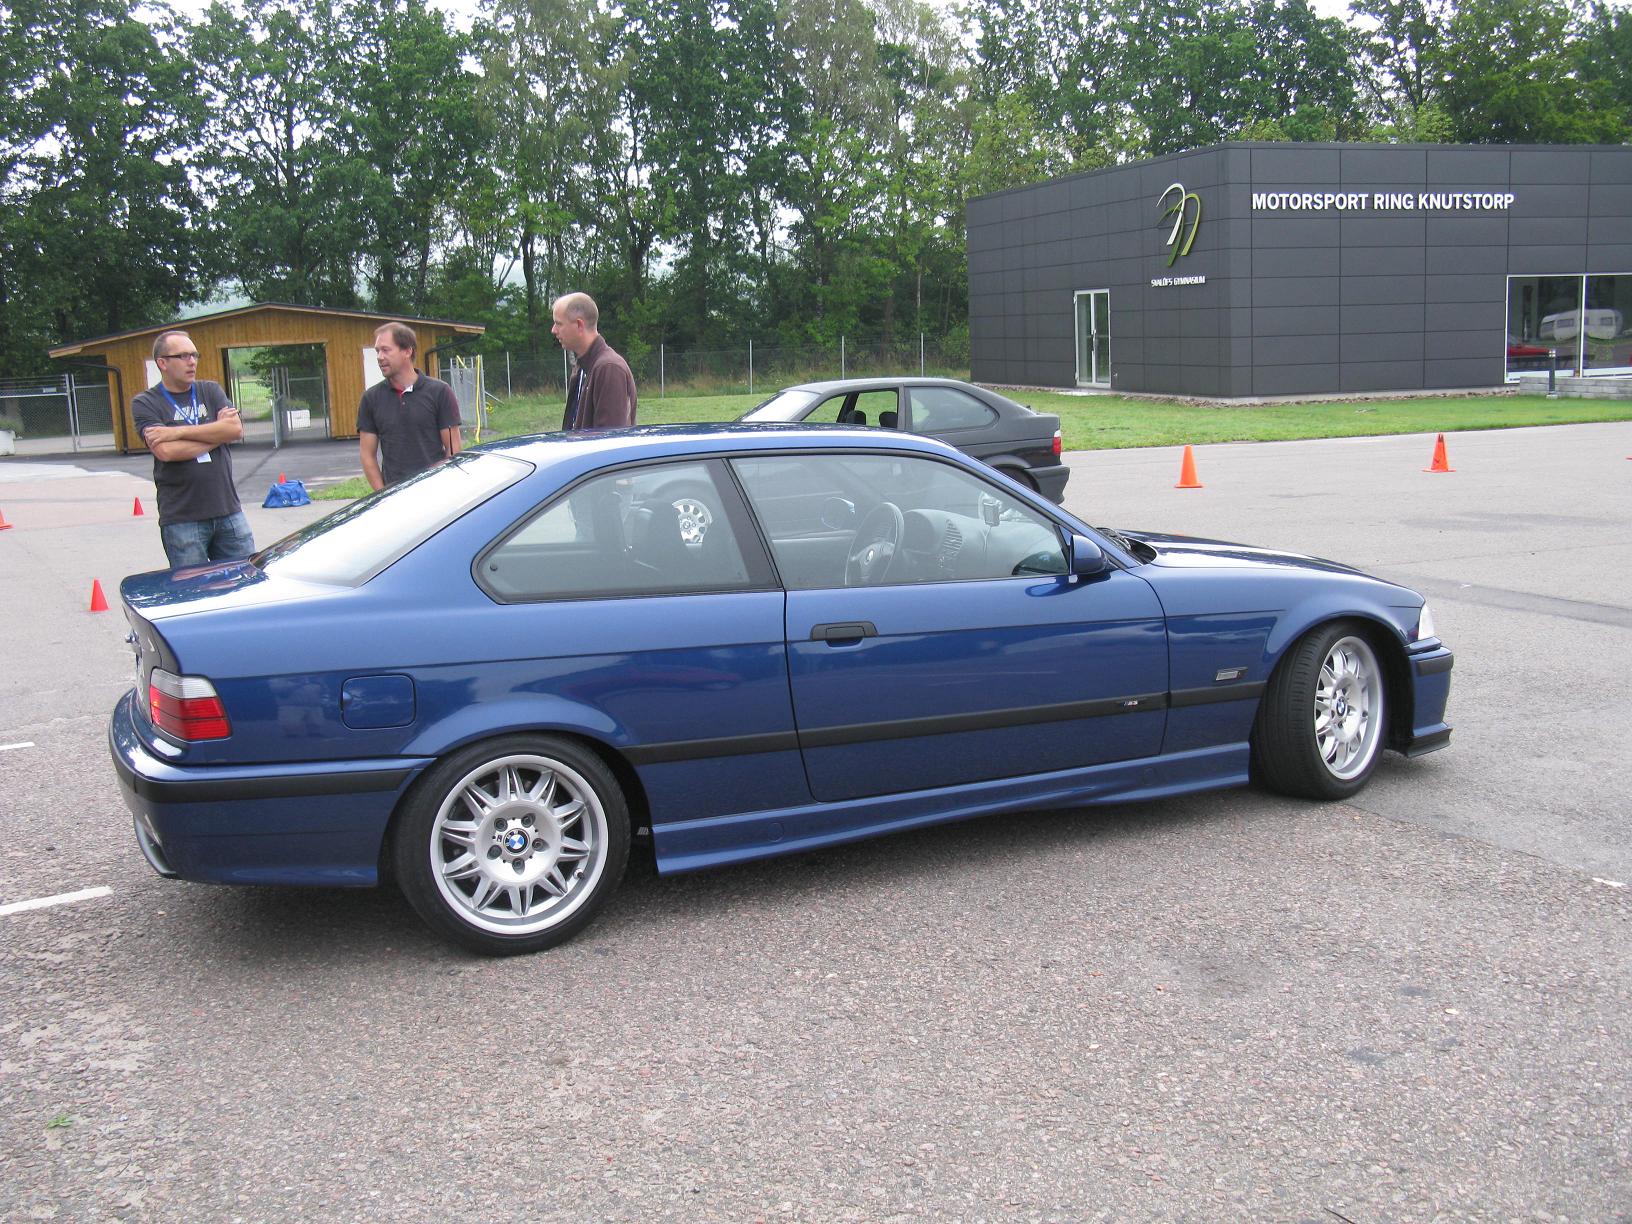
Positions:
(205, 457)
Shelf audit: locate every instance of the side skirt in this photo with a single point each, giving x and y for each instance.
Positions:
(688, 845)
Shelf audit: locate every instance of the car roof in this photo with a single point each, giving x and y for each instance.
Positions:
(831, 386)
(602, 447)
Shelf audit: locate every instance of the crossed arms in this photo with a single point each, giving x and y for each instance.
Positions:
(174, 443)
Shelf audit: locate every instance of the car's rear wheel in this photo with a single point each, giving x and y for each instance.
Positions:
(1319, 731)
(512, 845)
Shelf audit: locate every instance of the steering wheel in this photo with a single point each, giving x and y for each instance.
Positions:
(873, 551)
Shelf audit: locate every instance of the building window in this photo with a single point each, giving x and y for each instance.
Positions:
(1587, 320)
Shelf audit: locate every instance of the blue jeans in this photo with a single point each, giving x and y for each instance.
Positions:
(218, 539)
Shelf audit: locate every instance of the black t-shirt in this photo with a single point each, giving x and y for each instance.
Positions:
(409, 425)
(190, 490)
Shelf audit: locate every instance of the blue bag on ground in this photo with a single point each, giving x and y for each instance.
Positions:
(286, 493)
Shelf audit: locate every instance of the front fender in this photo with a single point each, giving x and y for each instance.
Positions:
(1319, 608)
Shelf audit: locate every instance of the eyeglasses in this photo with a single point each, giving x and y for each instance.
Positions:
(178, 356)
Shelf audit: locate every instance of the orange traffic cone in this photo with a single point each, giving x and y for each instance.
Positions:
(99, 602)
(1187, 472)
(136, 510)
(282, 479)
(1441, 463)
(4, 526)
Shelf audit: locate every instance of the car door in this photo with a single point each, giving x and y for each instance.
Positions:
(958, 650)
(608, 614)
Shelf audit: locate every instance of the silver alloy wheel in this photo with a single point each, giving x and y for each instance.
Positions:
(518, 844)
(1348, 707)
(695, 519)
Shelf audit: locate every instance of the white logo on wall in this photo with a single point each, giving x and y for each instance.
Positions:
(1182, 206)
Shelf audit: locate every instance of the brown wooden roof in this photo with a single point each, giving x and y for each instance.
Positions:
(80, 346)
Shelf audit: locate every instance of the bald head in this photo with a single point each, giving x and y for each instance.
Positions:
(577, 322)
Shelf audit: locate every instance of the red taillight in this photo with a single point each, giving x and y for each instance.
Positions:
(186, 707)
(1056, 444)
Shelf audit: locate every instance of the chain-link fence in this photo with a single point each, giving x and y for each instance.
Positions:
(57, 413)
(751, 369)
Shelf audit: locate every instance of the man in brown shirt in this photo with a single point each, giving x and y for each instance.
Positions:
(601, 394)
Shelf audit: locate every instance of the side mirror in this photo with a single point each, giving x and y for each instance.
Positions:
(1087, 558)
(838, 514)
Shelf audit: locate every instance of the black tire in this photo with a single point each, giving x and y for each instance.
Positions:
(512, 845)
(1322, 722)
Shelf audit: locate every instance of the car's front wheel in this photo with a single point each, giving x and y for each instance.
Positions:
(512, 845)
(1320, 726)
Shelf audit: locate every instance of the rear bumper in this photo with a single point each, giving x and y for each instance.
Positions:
(1431, 689)
(305, 822)
(1051, 481)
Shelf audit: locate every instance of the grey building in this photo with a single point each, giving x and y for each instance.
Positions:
(1262, 269)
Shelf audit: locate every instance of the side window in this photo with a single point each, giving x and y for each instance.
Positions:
(937, 409)
(870, 520)
(827, 412)
(637, 531)
(856, 408)
(875, 408)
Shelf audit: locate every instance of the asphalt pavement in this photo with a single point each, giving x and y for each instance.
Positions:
(1414, 1006)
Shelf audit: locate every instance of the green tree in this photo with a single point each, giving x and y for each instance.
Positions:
(700, 72)
(922, 232)
(284, 182)
(100, 229)
(1507, 77)
(1603, 58)
(548, 109)
(1063, 57)
(833, 104)
(1399, 44)
(410, 122)
(1198, 73)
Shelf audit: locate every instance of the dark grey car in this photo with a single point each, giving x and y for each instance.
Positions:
(1018, 442)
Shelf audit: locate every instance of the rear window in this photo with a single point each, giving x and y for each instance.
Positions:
(351, 545)
(783, 406)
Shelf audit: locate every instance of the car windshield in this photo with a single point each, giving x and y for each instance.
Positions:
(351, 545)
(788, 405)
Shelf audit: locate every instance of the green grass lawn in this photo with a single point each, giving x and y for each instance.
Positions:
(1103, 422)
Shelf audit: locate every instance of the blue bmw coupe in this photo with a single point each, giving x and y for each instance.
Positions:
(483, 681)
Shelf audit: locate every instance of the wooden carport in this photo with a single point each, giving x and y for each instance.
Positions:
(343, 335)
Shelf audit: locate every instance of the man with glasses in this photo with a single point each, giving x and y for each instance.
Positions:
(187, 423)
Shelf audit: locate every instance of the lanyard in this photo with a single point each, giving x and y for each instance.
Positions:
(191, 414)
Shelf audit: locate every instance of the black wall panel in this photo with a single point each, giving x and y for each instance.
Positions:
(1346, 293)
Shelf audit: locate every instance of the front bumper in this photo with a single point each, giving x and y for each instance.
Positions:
(1431, 689)
(304, 822)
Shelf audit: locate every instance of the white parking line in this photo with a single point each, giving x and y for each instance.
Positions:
(9, 747)
(84, 894)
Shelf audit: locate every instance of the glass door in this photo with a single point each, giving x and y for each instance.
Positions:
(1093, 338)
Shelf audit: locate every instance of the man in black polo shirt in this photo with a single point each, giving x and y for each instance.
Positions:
(187, 424)
(410, 421)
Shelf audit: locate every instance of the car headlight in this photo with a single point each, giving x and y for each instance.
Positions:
(1425, 625)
